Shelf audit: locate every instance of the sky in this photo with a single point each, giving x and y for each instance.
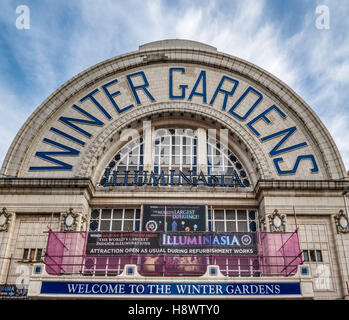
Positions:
(305, 43)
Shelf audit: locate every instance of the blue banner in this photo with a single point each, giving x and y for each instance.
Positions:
(181, 289)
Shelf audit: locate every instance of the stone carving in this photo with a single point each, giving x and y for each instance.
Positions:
(69, 220)
(277, 222)
(4, 220)
(342, 223)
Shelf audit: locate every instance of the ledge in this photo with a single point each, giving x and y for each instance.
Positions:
(315, 185)
(44, 182)
(30, 184)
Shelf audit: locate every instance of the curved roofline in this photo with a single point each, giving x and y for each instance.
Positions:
(171, 50)
(176, 43)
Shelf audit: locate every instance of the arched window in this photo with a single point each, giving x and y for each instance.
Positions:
(221, 160)
(177, 150)
(130, 158)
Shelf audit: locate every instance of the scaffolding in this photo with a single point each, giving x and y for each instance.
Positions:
(278, 254)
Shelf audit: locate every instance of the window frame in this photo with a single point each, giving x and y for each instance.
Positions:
(312, 255)
(211, 219)
(32, 254)
(136, 219)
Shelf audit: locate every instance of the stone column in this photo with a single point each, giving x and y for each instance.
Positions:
(202, 150)
(148, 146)
(6, 263)
(341, 258)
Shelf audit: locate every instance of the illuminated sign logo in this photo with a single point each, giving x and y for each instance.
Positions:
(246, 240)
(151, 225)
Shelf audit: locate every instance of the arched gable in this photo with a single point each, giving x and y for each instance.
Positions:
(71, 131)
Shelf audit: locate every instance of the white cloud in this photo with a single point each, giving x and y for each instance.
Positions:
(13, 115)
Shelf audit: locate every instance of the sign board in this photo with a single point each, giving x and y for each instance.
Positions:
(174, 218)
(182, 243)
(171, 288)
(12, 291)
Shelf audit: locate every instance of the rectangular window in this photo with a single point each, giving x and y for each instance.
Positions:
(32, 254)
(38, 254)
(230, 220)
(305, 256)
(318, 256)
(312, 256)
(115, 220)
(25, 254)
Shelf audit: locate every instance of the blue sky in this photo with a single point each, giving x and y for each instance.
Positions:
(68, 36)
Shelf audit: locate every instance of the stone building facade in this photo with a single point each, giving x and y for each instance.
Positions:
(174, 123)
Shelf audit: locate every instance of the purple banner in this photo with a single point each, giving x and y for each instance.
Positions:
(180, 243)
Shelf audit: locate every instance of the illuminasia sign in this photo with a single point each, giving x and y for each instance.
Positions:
(180, 243)
(174, 178)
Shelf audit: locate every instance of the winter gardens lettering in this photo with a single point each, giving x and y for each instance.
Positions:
(138, 82)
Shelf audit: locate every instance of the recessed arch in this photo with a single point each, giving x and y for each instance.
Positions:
(248, 153)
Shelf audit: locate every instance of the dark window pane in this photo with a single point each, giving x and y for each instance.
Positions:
(93, 225)
(312, 255)
(241, 214)
(121, 169)
(318, 256)
(105, 225)
(129, 213)
(230, 214)
(253, 226)
(252, 215)
(128, 225)
(116, 225)
(231, 226)
(38, 254)
(219, 226)
(305, 256)
(106, 213)
(95, 214)
(112, 164)
(117, 214)
(138, 213)
(219, 214)
(242, 226)
(25, 254)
